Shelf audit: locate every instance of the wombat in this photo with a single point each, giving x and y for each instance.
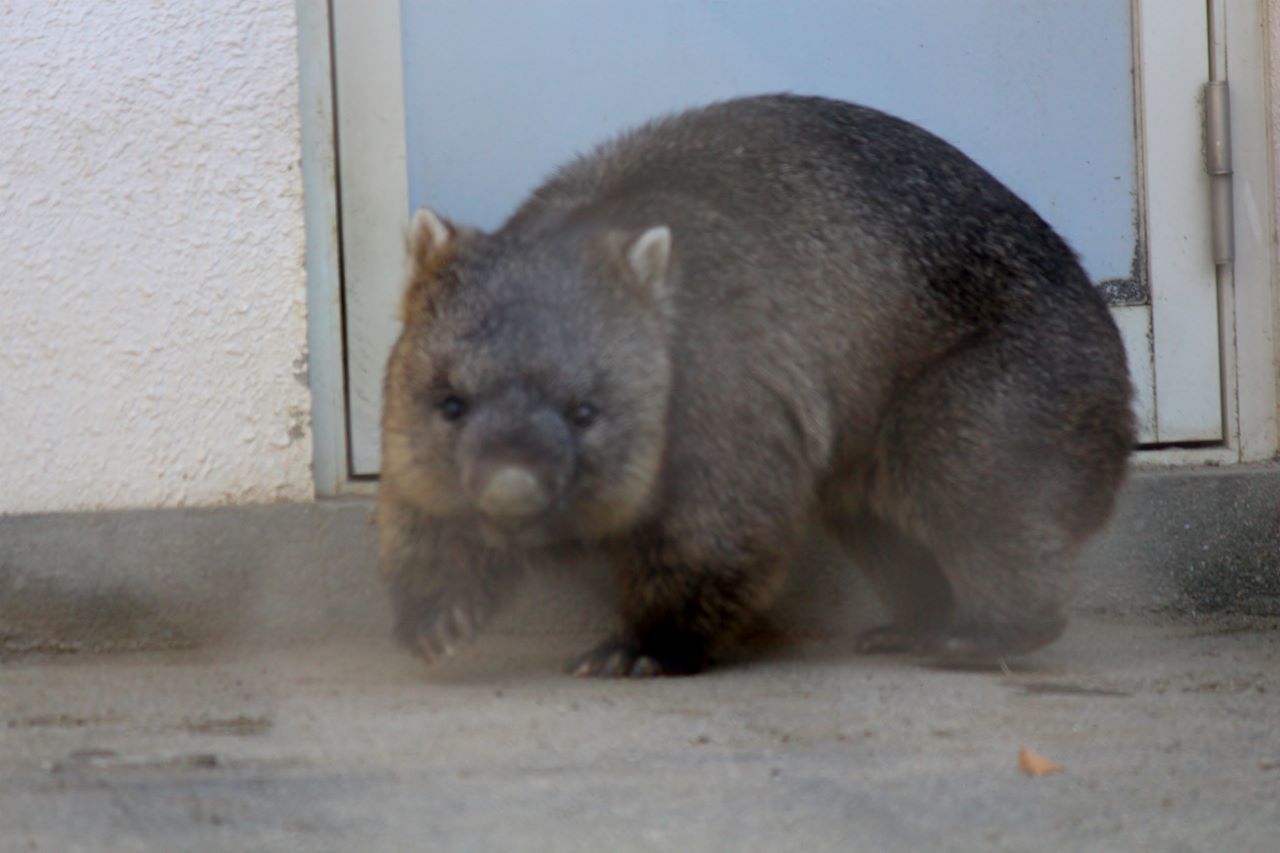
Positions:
(723, 329)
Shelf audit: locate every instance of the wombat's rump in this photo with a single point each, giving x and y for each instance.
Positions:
(692, 345)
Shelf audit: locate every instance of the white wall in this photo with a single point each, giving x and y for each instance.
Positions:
(152, 302)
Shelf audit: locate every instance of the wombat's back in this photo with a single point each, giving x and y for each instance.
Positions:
(795, 168)
(848, 247)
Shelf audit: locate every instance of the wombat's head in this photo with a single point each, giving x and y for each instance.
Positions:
(528, 391)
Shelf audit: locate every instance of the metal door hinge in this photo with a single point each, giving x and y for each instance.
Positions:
(1217, 136)
(1217, 156)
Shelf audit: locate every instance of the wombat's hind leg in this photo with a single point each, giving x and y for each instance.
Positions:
(999, 471)
(988, 639)
(906, 577)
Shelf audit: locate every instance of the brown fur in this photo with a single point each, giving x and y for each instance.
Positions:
(691, 346)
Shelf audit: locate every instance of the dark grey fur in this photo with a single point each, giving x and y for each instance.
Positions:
(856, 326)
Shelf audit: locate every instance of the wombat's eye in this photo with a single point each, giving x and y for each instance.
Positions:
(452, 407)
(583, 415)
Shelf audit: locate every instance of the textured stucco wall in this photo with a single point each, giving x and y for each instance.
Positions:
(153, 296)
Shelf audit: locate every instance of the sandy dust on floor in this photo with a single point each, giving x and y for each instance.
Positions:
(1168, 736)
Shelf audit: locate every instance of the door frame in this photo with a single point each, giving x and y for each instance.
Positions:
(1244, 293)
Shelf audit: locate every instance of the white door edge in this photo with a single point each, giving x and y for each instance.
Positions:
(1172, 64)
(374, 190)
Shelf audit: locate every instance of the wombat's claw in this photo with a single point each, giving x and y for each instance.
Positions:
(441, 638)
(618, 664)
(885, 639)
(463, 623)
(434, 648)
(615, 659)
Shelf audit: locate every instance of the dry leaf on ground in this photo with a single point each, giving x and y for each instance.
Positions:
(1034, 764)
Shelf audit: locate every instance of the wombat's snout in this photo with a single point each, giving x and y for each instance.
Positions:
(517, 460)
(513, 493)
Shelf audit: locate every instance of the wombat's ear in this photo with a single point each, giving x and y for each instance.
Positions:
(648, 256)
(431, 242)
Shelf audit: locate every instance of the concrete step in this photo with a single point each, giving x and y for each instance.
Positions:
(1187, 541)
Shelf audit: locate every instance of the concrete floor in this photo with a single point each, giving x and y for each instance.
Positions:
(1169, 735)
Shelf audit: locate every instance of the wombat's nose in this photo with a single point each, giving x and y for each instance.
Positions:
(512, 492)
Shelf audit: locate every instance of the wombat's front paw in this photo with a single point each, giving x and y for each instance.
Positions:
(433, 629)
(616, 658)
